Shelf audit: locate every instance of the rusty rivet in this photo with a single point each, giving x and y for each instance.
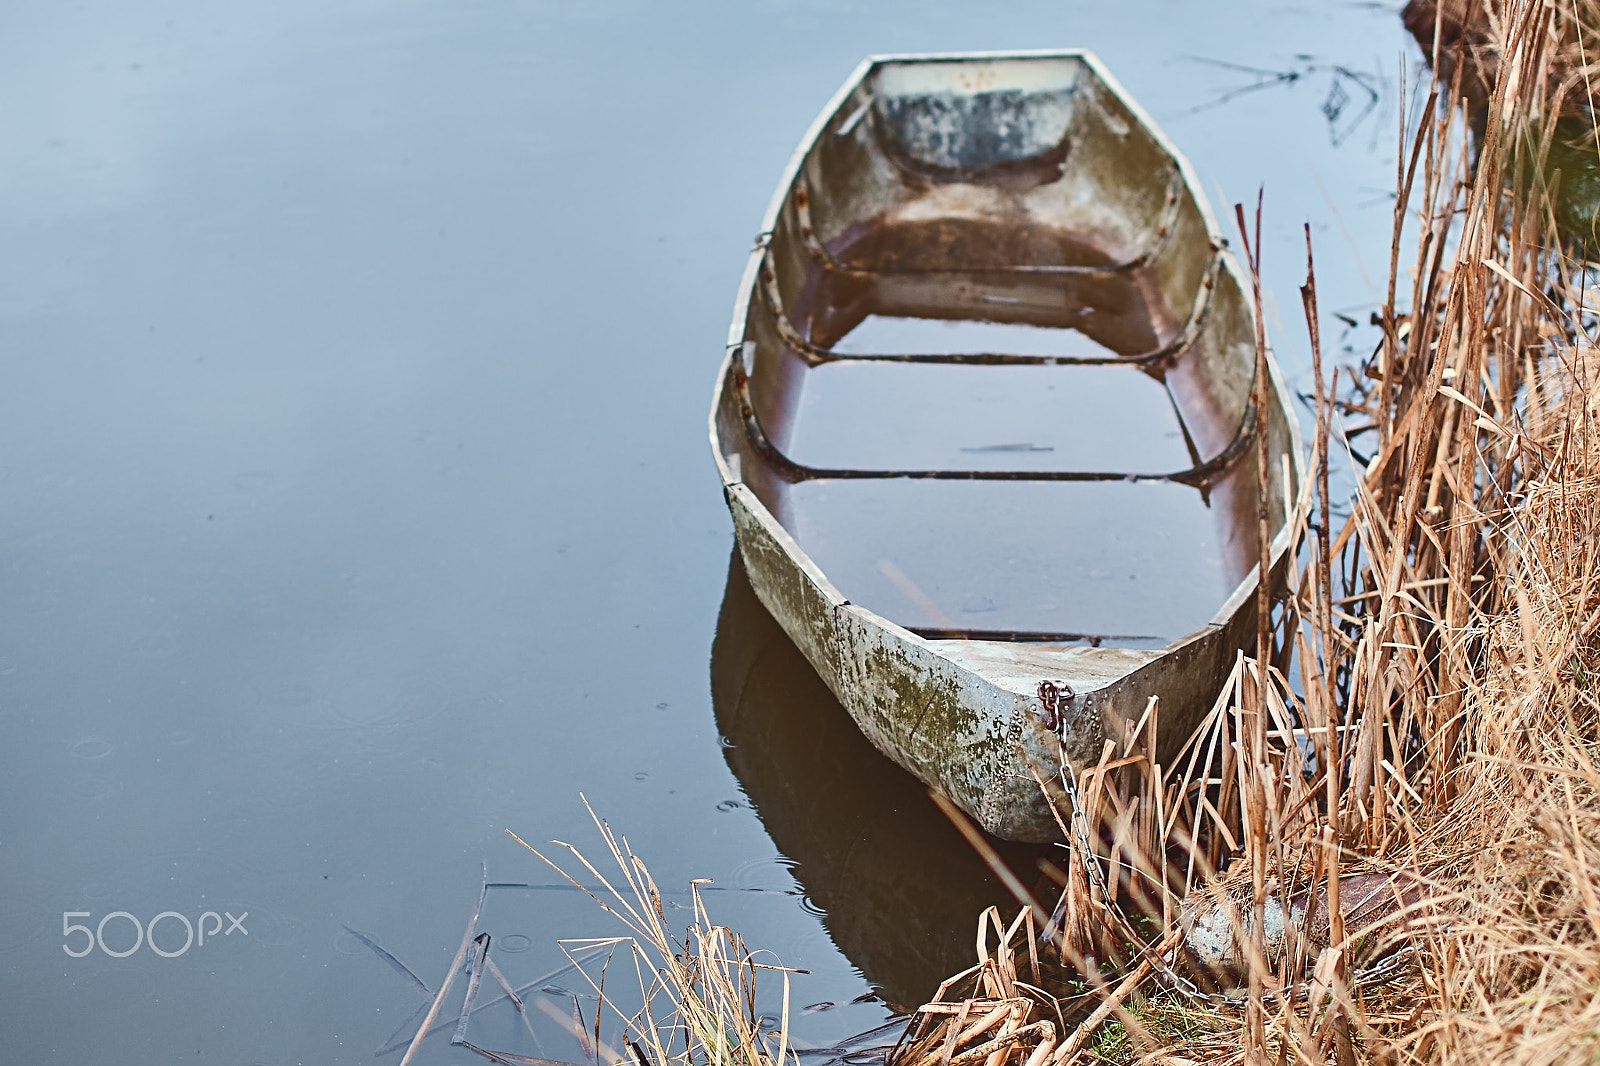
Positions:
(1055, 696)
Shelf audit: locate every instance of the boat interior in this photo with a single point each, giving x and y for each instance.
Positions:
(994, 375)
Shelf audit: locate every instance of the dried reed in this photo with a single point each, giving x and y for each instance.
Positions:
(1472, 32)
(696, 1002)
(1396, 857)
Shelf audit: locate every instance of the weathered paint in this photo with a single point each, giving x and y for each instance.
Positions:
(966, 716)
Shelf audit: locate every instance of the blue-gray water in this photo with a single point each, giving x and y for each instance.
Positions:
(356, 499)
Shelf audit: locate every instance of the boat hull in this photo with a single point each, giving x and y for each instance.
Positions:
(988, 722)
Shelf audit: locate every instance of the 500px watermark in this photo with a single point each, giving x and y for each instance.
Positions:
(146, 934)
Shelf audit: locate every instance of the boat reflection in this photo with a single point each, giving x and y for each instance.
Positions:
(899, 890)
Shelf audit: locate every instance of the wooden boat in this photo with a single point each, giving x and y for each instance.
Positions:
(862, 836)
(986, 424)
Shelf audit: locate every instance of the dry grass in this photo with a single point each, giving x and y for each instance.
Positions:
(682, 1001)
(1423, 802)
(1471, 34)
(696, 995)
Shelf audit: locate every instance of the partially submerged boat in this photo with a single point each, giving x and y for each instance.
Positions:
(986, 424)
(860, 836)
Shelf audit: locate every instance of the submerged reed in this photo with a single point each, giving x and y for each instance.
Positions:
(696, 1002)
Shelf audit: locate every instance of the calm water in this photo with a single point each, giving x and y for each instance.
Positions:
(357, 504)
(1142, 562)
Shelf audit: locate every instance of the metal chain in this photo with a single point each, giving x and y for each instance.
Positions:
(1080, 830)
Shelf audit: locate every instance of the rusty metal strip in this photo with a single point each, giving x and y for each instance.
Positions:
(1201, 476)
(816, 355)
(1028, 636)
(819, 252)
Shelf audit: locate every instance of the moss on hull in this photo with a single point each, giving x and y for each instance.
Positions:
(981, 738)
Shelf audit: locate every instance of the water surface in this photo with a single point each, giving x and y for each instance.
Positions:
(357, 504)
